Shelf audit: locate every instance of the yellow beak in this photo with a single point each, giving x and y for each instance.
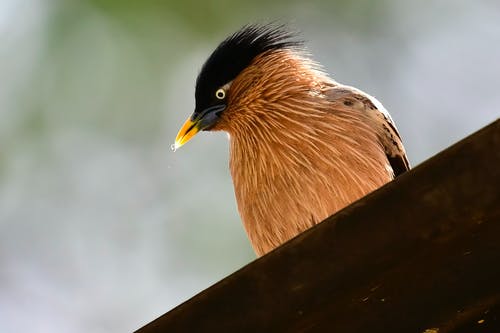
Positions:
(187, 131)
(199, 121)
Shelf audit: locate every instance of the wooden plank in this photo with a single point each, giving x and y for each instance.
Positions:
(421, 253)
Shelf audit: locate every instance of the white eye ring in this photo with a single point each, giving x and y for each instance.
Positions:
(220, 93)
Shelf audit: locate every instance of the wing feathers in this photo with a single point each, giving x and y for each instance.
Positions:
(350, 97)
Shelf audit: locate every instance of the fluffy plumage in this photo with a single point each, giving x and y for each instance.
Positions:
(302, 146)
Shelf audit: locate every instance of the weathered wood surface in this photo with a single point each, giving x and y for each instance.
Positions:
(421, 253)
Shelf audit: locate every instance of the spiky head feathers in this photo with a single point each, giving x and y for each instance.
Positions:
(234, 54)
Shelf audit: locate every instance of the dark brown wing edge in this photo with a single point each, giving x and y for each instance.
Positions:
(399, 164)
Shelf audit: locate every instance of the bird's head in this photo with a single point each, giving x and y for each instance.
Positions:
(227, 83)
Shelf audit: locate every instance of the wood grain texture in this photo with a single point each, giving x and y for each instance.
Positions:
(421, 253)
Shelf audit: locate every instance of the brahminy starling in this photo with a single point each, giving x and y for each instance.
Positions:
(302, 146)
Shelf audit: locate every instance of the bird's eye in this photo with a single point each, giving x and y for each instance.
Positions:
(220, 93)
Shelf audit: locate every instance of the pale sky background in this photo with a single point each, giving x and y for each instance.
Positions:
(102, 227)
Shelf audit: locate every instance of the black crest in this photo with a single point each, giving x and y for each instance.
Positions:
(235, 53)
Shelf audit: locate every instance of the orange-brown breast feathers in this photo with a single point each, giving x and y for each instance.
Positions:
(297, 154)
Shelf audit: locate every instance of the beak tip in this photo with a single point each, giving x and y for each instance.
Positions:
(175, 145)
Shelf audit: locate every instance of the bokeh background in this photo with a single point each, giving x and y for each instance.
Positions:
(102, 227)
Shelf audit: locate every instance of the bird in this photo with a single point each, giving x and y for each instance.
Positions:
(301, 145)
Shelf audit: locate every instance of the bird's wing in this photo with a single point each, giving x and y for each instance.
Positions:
(350, 97)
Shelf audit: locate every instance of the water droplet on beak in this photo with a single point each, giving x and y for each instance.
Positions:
(173, 147)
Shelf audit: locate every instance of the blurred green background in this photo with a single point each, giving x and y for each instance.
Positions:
(102, 227)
